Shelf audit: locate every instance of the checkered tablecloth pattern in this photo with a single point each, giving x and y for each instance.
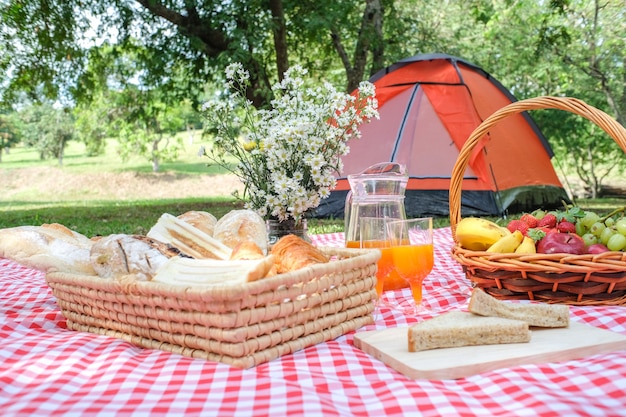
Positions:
(46, 369)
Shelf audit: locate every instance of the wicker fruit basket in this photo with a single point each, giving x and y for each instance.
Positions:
(556, 278)
(241, 325)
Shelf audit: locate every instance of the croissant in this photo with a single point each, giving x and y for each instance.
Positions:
(292, 252)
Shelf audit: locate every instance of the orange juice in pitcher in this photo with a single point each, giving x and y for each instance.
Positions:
(376, 193)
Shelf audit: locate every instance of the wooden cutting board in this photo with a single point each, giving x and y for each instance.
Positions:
(546, 345)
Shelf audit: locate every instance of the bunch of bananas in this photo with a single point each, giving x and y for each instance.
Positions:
(474, 233)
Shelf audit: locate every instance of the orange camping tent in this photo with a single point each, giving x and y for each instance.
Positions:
(429, 105)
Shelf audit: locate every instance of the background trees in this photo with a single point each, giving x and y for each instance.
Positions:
(47, 129)
(84, 55)
(8, 135)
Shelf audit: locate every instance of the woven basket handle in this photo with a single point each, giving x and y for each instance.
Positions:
(576, 106)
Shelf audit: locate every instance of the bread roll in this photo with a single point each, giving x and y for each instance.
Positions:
(459, 328)
(203, 220)
(540, 315)
(246, 250)
(49, 247)
(293, 253)
(239, 226)
(119, 254)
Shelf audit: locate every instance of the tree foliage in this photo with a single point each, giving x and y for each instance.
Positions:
(147, 125)
(87, 54)
(8, 133)
(47, 128)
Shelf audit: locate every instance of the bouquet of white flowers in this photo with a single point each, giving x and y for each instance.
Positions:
(286, 155)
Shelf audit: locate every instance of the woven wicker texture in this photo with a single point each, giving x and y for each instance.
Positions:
(563, 278)
(242, 325)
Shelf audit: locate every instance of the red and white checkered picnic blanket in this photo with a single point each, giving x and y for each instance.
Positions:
(46, 369)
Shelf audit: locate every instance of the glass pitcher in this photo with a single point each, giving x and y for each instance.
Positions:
(376, 192)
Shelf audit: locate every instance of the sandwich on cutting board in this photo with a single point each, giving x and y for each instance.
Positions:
(488, 321)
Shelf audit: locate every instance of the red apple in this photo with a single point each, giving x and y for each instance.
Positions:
(597, 248)
(562, 243)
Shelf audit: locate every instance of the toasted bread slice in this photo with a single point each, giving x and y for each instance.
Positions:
(460, 328)
(540, 315)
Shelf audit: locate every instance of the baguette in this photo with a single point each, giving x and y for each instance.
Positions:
(49, 247)
(539, 315)
(460, 328)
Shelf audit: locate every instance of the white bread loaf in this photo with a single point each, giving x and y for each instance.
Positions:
(239, 226)
(459, 328)
(49, 247)
(540, 315)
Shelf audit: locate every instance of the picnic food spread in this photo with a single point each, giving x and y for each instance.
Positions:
(194, 248)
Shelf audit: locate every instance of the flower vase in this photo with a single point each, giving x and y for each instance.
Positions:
(277, 229)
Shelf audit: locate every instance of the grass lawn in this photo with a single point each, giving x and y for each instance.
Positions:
(93, 216)
(101, 217)
(74, 159)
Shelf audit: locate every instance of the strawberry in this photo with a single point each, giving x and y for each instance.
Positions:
(517, 225)
(546, 229)
(529, 219)
(549, 220)
(565, 226)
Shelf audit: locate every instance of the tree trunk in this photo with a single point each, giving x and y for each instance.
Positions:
(370, 34)
(378, 47)
(279, 32)
(190, 131)
(61, 153)
(155, 155)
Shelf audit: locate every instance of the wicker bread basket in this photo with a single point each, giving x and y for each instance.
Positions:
(556, 278)
(242, 325)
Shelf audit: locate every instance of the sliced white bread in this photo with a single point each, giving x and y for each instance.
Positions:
(189, 239)
(540, 315)
(460, 328)
(207, 272)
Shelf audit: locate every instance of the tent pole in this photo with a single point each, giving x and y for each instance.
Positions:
(404, 121)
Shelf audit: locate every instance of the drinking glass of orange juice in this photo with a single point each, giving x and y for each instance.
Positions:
(373, 234)
(412, 254)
